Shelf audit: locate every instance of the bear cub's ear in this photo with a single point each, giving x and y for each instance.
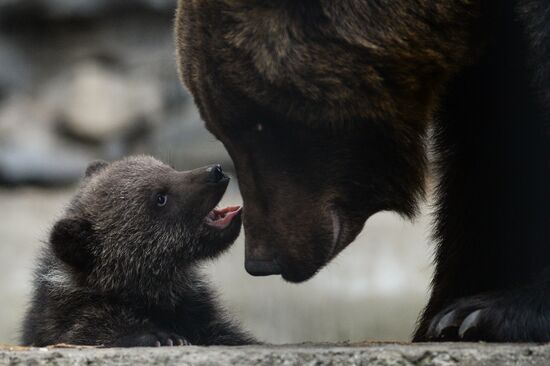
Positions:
(71, 240)
(95, 167)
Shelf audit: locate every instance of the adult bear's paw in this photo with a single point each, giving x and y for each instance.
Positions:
(459, 322)
(511, 317)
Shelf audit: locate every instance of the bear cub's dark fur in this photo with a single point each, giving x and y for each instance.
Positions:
(121, 265)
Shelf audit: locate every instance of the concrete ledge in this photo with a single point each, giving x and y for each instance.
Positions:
(367, 354)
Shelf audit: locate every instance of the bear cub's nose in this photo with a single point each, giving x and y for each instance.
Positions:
(216, 174)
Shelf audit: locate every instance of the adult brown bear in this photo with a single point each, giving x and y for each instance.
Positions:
(325, 108)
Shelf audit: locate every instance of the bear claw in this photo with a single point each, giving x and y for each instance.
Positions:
(469, 328)
(456, 325)
(152, 339)
(170, 340)
(447, 327)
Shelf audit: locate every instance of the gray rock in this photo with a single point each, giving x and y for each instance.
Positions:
(100, 82)
(40, 167)
(80, 8)
(29, 150)
(96, 103)
(15, 70)
(443, 354)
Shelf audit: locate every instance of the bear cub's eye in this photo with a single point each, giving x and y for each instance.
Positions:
(162, 199)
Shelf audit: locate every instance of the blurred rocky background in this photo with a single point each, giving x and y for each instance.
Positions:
(82, 79)
(88, 79)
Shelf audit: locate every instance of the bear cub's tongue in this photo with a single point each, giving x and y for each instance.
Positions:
(222, 218)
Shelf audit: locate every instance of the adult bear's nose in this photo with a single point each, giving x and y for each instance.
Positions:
(215, 174)
(262, 267)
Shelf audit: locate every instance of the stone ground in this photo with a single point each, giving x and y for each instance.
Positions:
(373, 291)
(372, 354)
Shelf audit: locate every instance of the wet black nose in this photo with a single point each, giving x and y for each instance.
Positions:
(262, 268)
(216, 174)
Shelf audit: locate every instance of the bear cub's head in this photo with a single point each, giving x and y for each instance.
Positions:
(137, 226)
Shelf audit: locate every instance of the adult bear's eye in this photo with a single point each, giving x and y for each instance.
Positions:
(162, 199)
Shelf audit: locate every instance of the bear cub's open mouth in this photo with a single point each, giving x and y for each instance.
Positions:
(222, 218)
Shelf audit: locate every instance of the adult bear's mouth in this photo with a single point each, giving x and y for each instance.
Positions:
(298, 269)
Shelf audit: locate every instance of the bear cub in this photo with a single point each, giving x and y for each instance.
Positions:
(121, 267)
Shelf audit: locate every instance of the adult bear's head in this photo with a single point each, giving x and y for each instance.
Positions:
(323, 106)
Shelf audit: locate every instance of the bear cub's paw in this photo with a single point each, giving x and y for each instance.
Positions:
(151, 339)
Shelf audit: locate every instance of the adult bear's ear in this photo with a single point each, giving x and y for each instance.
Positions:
(95, 167)
(71, 240)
